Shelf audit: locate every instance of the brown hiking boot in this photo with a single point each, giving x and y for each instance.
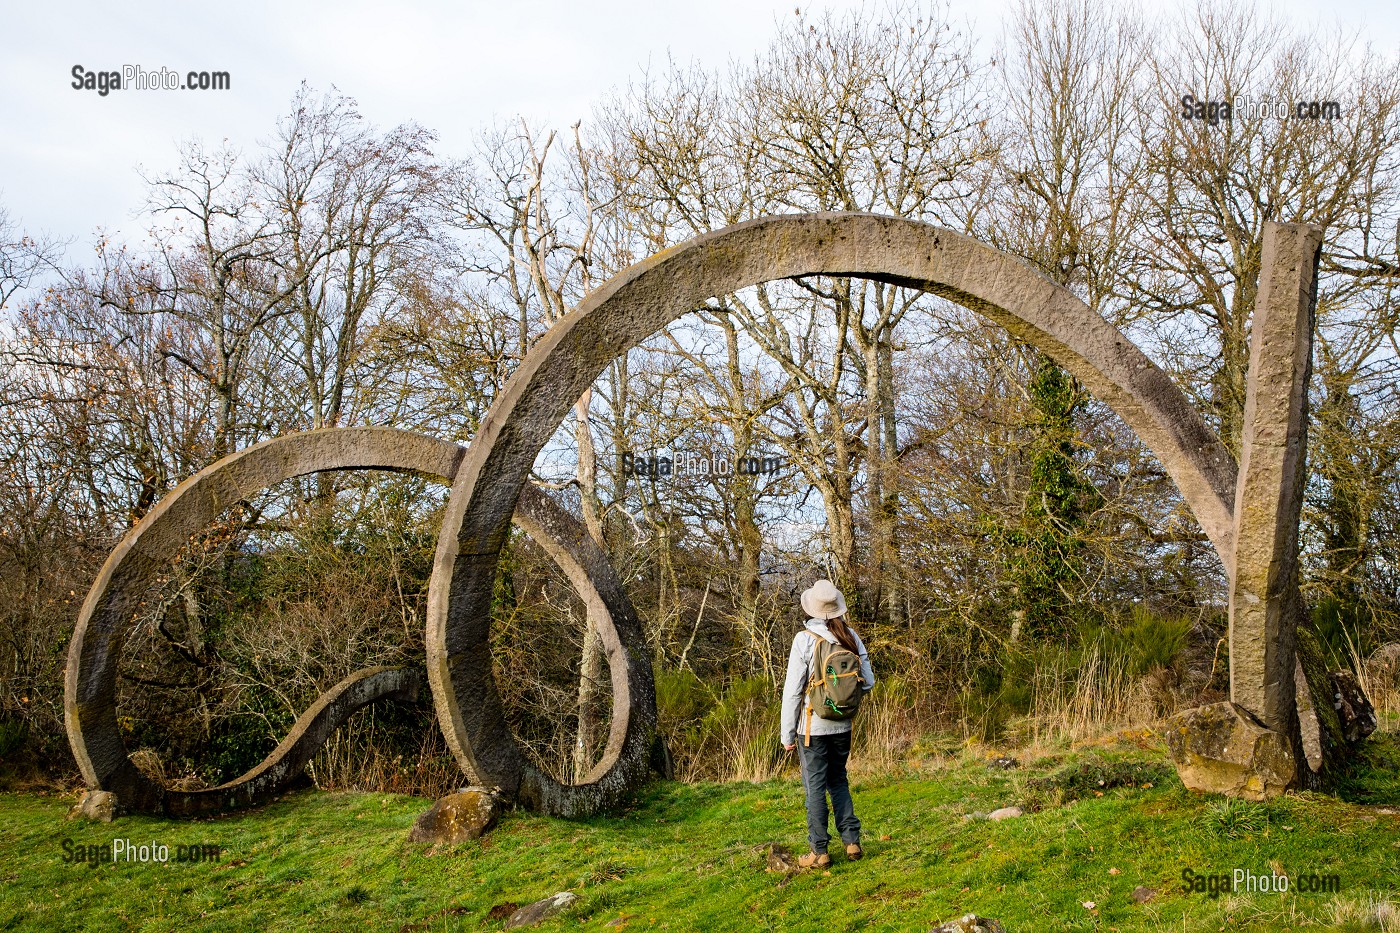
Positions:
(815, 860)
(854, 852)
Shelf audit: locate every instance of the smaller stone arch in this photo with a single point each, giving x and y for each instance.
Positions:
(94, 652)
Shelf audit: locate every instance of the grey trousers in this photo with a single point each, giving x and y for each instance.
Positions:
(824, 772)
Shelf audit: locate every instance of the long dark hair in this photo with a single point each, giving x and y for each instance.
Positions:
(844, 636)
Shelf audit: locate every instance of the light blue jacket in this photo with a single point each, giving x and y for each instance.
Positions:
(795, 688)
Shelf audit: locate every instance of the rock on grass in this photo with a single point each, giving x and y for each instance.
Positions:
(531, 914)
(456, 818)
(969, 923)
(100, 806)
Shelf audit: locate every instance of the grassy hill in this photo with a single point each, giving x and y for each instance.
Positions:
(1102, 821)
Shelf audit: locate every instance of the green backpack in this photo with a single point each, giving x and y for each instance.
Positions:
(835, 688)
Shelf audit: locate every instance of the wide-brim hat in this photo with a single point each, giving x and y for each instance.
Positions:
(823, 600)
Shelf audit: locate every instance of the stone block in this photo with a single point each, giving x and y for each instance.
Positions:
(1358, 716)
(100, 806)
(1333, 713)
(456, 818)
(1223, 749)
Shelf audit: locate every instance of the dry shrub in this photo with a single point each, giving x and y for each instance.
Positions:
(1365, 912)
(890, 720)
(364, 755)
(1379, 676)
(740, 734)
(1076, 699)
(147, 761)
(1156, 696)
(720, 735)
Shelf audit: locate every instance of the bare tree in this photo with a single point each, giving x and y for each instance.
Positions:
(214, 258)
(1211, 186)
(839, 114)
(358, 215)
(23, 258)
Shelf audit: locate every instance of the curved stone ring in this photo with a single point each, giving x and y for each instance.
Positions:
(90, 680)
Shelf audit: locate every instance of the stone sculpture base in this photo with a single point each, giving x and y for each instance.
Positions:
(1223, 749)
(99, 806)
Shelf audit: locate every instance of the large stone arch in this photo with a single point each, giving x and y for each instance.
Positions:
(96, 646)
(644, 298)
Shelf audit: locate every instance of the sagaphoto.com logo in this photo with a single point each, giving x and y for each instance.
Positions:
(136, 78)
(124, 851)
(1244, 107)
(1242, 880)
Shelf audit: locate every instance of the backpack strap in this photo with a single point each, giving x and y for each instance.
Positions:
(807, 691)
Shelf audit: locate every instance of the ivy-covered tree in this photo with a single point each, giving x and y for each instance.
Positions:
(1047, 548)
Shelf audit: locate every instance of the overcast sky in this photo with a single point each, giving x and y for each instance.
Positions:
(68, 158)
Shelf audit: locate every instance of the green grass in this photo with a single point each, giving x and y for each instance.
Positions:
(690, 857)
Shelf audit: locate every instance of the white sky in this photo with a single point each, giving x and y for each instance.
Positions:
(68, 158)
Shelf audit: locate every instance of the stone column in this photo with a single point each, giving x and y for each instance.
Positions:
(1252, 746)
(1265, 607)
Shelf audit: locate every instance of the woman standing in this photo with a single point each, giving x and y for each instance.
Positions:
(824, 744)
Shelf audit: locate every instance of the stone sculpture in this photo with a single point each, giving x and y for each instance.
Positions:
(1249, 511)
